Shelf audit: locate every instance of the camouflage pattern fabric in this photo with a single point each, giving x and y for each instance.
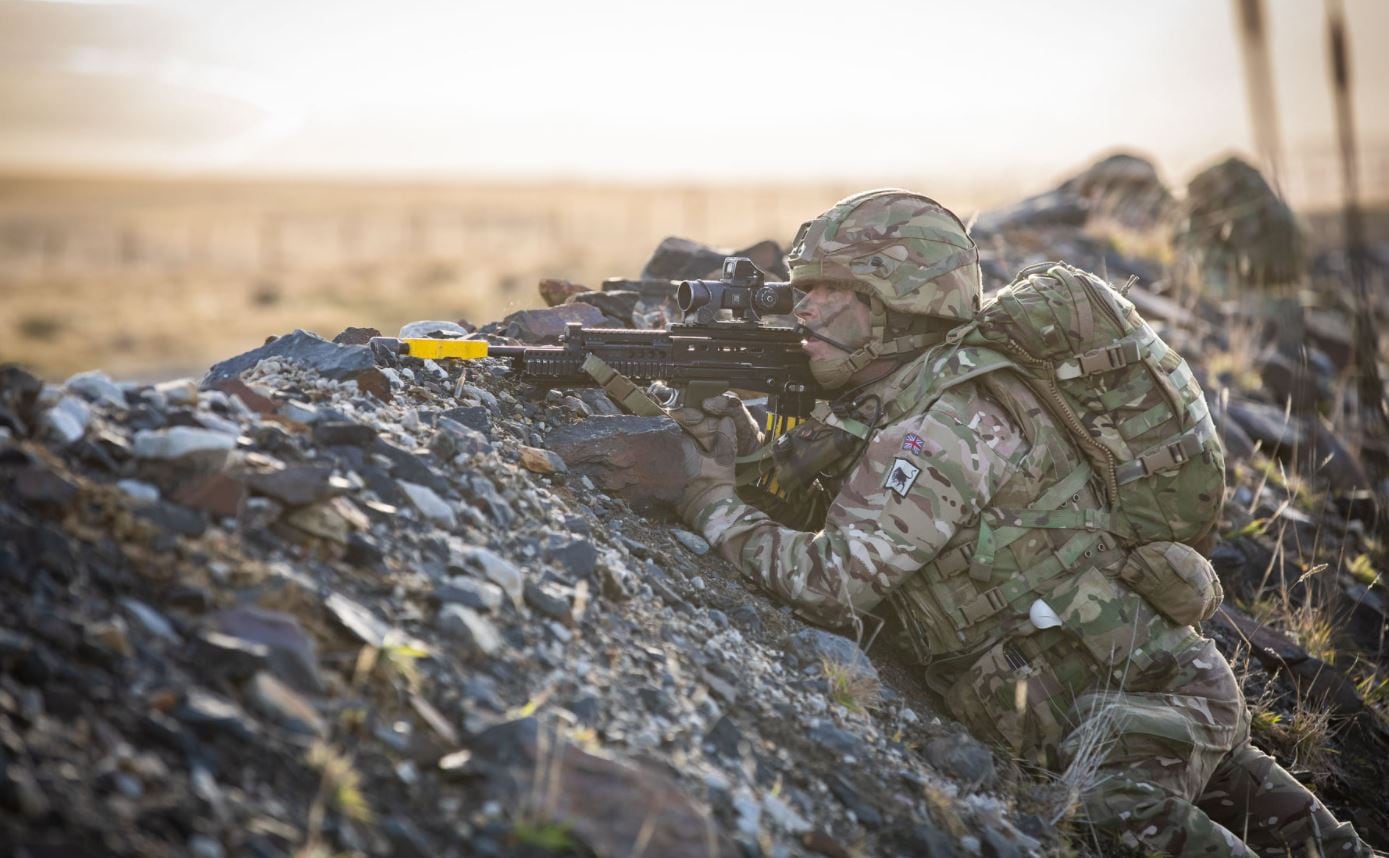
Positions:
(1175, 773)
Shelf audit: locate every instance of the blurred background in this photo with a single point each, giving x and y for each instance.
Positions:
(181, 179)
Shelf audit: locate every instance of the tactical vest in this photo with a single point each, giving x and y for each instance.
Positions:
(1053, 588)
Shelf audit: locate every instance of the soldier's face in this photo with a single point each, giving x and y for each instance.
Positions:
(839, 315)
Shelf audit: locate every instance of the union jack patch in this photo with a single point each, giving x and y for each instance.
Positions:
(913, 443)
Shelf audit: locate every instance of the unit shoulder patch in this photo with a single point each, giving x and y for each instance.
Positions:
(902, 476)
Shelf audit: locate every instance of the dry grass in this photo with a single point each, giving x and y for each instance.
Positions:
(850, 687)
(153, 279)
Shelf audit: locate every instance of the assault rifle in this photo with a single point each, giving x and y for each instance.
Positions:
(702, 356)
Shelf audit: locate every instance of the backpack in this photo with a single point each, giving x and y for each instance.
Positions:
(1129, 402)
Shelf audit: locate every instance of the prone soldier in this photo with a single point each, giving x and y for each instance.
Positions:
(925, 528)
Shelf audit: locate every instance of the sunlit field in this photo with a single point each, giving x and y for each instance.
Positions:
(150, 279)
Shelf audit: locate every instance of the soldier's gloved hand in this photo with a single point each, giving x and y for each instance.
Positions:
(730, 406)
(700, 422)
(707, 460)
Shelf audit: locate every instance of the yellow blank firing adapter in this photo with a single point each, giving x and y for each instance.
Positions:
(422, 347)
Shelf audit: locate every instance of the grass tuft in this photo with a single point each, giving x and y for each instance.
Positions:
(850, 687)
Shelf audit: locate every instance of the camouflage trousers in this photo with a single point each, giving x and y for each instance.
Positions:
(1174, 772)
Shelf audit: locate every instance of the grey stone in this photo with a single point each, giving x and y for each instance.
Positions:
(471, 593)
(617, 304)
(302, 347)
(548, 325)
(475, 417)
(813, 646)
(227, 656)
(474, 630)
(430, 505)
(682, 259)
(210, 715)
(67, 421)
(1268, 424)
(452, 439)
(295, 485)
(153, 622)
(494, 567)
(546, 601)
(631, 457)
(431, 329)
(362, 623)
(783, 815)
(962, 758)
(292, 654)
(694, 543)
(97, 387)
(836, 740)
(180, 441)
(279, 703)
(343, 432)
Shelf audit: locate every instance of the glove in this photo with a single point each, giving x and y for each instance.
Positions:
(707, 461)
(700, 422)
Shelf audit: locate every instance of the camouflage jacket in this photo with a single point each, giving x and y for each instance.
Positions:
(925, 521)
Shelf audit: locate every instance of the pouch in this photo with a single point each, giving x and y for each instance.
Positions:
(1175, 579)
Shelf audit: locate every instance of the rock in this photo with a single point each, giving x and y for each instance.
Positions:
(362, 623)
(630, 457)
(343, 432)
(726, 740)
(180, 441)
(113, 635)
(696, 545)
(41, 487)
(1235, 230)
(1286, 380)
(173, 518)
(470, 593)
(309, 350)
(469, 627)
(494, 567)
(291, 653)
(280, 704)
(475, 417)
(548, 325)
(211, 715)
(962, 758)
(217, 494)
(612, 806)
(407, 466)
(151, 620)
(783, 816)
(375, 382)
(540, 461)
(1126, 189)
(452, 439)
(813, 646)
(97, 387)
(356, 336)
(578, 557)
(545, 600)
(851, 797)
(682, 259)
(617, 304)
(254, 400)
(332, 520)
(836, 740)
(555, 292)
(432, 330)
(179, 391)
(225, 656)
(1267, 424)
(296, 485)
(1052, 209)
(430, 505)
(1329, 459)
(19, 397)
(67, 421)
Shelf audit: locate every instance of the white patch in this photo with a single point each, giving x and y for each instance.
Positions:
(902, 476)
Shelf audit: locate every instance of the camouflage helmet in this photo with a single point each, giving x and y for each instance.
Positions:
(909, 255)
(908, 250)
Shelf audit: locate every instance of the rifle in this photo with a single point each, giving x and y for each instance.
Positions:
(702, 356)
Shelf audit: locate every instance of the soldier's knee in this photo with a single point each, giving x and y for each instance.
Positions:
(1140, 814)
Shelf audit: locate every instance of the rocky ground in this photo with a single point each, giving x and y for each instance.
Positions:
(328, 601)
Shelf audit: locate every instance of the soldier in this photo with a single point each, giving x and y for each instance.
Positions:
(886, 275)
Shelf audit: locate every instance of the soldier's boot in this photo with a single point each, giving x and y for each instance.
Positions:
(1271, 810)
(1140, 814)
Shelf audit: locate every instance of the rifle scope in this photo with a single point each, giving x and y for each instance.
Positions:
(743, 289)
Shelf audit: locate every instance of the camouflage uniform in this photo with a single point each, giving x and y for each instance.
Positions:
(1098, 673)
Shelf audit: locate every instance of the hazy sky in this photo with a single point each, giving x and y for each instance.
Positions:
(773, 89)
